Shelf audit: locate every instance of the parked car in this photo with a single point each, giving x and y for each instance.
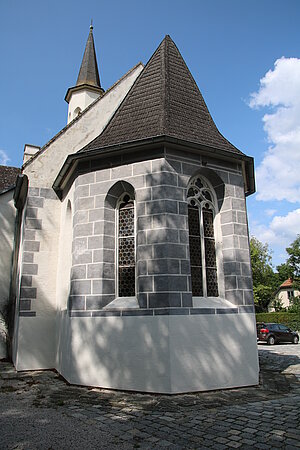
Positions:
(275, 333)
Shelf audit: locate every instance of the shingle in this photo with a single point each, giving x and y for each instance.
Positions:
(8, 176)
(164, 100)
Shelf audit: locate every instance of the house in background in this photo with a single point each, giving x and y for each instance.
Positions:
(133, 269)
(285, 294)
(8, 177)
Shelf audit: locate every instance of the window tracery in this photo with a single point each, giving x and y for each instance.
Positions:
(201, 213)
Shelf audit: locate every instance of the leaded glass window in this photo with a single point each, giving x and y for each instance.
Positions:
(201, 212)
(126, 247)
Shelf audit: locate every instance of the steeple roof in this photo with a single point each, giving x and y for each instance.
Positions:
(164, 101)
(88, 73)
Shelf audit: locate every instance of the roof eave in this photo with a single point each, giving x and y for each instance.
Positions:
(81, 87)
(72, 160)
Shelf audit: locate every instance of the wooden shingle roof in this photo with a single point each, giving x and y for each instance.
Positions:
(164, 101)
(8, 176)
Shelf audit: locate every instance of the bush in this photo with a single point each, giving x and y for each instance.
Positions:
(291, 320)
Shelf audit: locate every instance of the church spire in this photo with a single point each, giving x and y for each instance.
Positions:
(88, 86)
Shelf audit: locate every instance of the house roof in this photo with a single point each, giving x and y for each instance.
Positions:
(287, 284)
(8, 176)
(164, 100)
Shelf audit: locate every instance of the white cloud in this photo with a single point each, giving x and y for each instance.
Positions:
(270, 212)
(3, 158)
(277, 176)
(281, 231)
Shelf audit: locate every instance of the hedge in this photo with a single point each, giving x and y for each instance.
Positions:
(291, 320)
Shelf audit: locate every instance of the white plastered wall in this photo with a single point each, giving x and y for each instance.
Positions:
(7, 227)
(166, 354)
(80, 100)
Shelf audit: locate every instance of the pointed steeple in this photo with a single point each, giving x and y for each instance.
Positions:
(88, 73)
(88, 86)
(164, 101)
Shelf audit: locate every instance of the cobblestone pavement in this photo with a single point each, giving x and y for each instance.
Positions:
(39, 410)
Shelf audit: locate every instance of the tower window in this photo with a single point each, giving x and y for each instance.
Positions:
(126, 247)
(201, 212)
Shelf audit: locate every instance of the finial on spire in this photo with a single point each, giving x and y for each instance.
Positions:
(91, 26)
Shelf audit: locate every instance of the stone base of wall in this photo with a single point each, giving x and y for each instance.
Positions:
(162, 354)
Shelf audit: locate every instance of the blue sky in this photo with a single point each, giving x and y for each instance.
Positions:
(231, 48)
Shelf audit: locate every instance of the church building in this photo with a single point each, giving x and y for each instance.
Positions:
(131, 267)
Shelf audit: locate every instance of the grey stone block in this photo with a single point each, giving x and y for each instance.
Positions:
(121, 172)
(98, 301)
(83, 229)
(242, 255)
(95, 242)
(82, 191)
(248, 297)
(246, 309)
(234, 296)
(145, 284)
(141, 168)
(141, 238)
(232, 268)
(227, 310)
(244, 242)
(145, 252)
(76, 302)
(137, 312)
(143, 194)
(187, 300)
(25, 305)
(100, 188)
(170, 283)
(103, 287)
(191, 169)
(104, 255)
(230, 242)
(84, 203)
(142, 268)
(27, 313)
(227, 229)
(31, 246)
(26, 281)
(35, 224)
(48, 193)
(175, 165)
(109, 242)
(239, 192)
(78, 272)
(103, 175)
(109, 214)
(162, 300)
(79, 244)
(31, 213)
(229, 191)
(28, 257)
(101, 270)
(80, 217)
(141, 209)
(236, 180)
(161, 206)
(80, 287)
(34, 192)
(241, 217)
(163, 266)
(244, 282)
(162, 235)
(80, 313)
(28, 292)
(246, 269)
(225, 205)
(106, 313)
(100, 201)
(168, 192)
(183, 236)
(29, 235)
(172, 312)
(185, 267)
(178, 251)
(230, 282)
(138, 182)
(87, 178)
(142, 300)
(144, 223)
(240, 230)
(161, 178)
(35, 202)
(183, 208)
(238, 204)
(106, 228)
(84, 257)
(29, 269)
(96, 215)
(204, 311)
(228, 217)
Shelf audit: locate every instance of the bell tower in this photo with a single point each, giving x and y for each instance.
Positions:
(88, 86)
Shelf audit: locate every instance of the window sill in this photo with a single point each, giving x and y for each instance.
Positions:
(123, 303)
(212, 302)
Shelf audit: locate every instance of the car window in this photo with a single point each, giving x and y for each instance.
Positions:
(283, 328)
(273, 327)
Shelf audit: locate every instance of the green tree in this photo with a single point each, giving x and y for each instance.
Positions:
(265, 281)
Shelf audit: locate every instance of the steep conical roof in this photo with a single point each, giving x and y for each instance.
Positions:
(164, 100)
(88, 73)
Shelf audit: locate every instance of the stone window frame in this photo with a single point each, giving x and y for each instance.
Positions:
(117, 210)
(214, 207)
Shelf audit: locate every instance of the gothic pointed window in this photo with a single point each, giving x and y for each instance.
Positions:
(201, 213)
(126, 246)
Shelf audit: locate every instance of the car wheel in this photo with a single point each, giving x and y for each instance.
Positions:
(271, 340)
(295, 340)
